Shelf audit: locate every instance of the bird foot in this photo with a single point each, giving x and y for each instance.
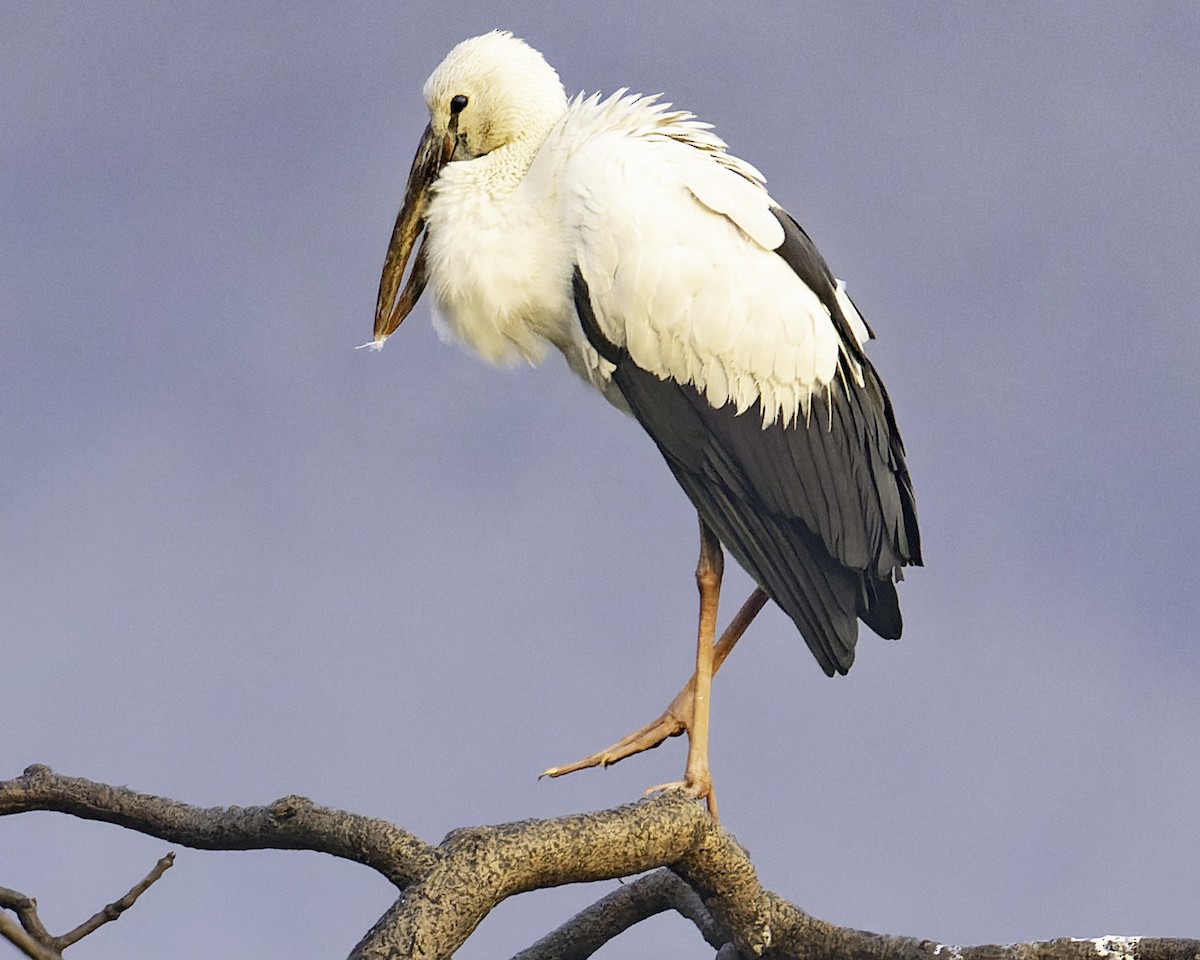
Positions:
(698, 786)
(671, 723)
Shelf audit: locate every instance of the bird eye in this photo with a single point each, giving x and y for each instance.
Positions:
(458, 103)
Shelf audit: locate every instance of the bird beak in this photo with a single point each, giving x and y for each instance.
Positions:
(390, 311)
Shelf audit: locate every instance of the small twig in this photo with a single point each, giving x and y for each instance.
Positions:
(11, 932)
(115, 909)
(26, 910)
(33, 931)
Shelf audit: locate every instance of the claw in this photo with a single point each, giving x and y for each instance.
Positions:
(699, 790)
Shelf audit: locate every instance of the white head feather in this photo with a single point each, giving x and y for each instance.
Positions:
(512, 93)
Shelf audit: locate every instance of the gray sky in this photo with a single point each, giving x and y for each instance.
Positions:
(239, 559)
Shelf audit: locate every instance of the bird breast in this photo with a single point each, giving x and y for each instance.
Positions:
(497, 264)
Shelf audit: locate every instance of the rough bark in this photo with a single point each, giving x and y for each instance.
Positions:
(699, 870)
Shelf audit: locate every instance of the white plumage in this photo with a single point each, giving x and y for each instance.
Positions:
(674, 235)
(623, 233)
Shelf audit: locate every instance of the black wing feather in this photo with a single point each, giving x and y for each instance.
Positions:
(819, 512)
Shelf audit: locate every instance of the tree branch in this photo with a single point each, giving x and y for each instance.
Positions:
(33, 932)
(290, 823)
(481, 866)
(612, 915)
(449, 889)
(26, 910)
(13, 933)
(116, 908)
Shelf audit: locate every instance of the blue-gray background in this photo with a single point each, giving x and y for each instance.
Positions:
(239, 559)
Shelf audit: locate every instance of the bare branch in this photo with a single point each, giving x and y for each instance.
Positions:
(26, 910)
(450, 888)
(482, 866)
(24, 942)
(720, 871)
(116, 908)
(290, 823)
(34, 931)
(612, 915)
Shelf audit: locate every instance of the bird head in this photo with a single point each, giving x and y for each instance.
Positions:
(491, 92)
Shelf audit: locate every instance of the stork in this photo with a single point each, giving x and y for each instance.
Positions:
(622, 233)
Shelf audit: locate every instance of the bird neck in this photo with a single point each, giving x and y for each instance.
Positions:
(501, 170)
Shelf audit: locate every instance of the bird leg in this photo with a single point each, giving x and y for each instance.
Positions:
(675, 719)
(678, 717)
(697, 779)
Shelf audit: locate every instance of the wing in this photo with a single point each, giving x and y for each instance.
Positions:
(745, 365)
(674, 238)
